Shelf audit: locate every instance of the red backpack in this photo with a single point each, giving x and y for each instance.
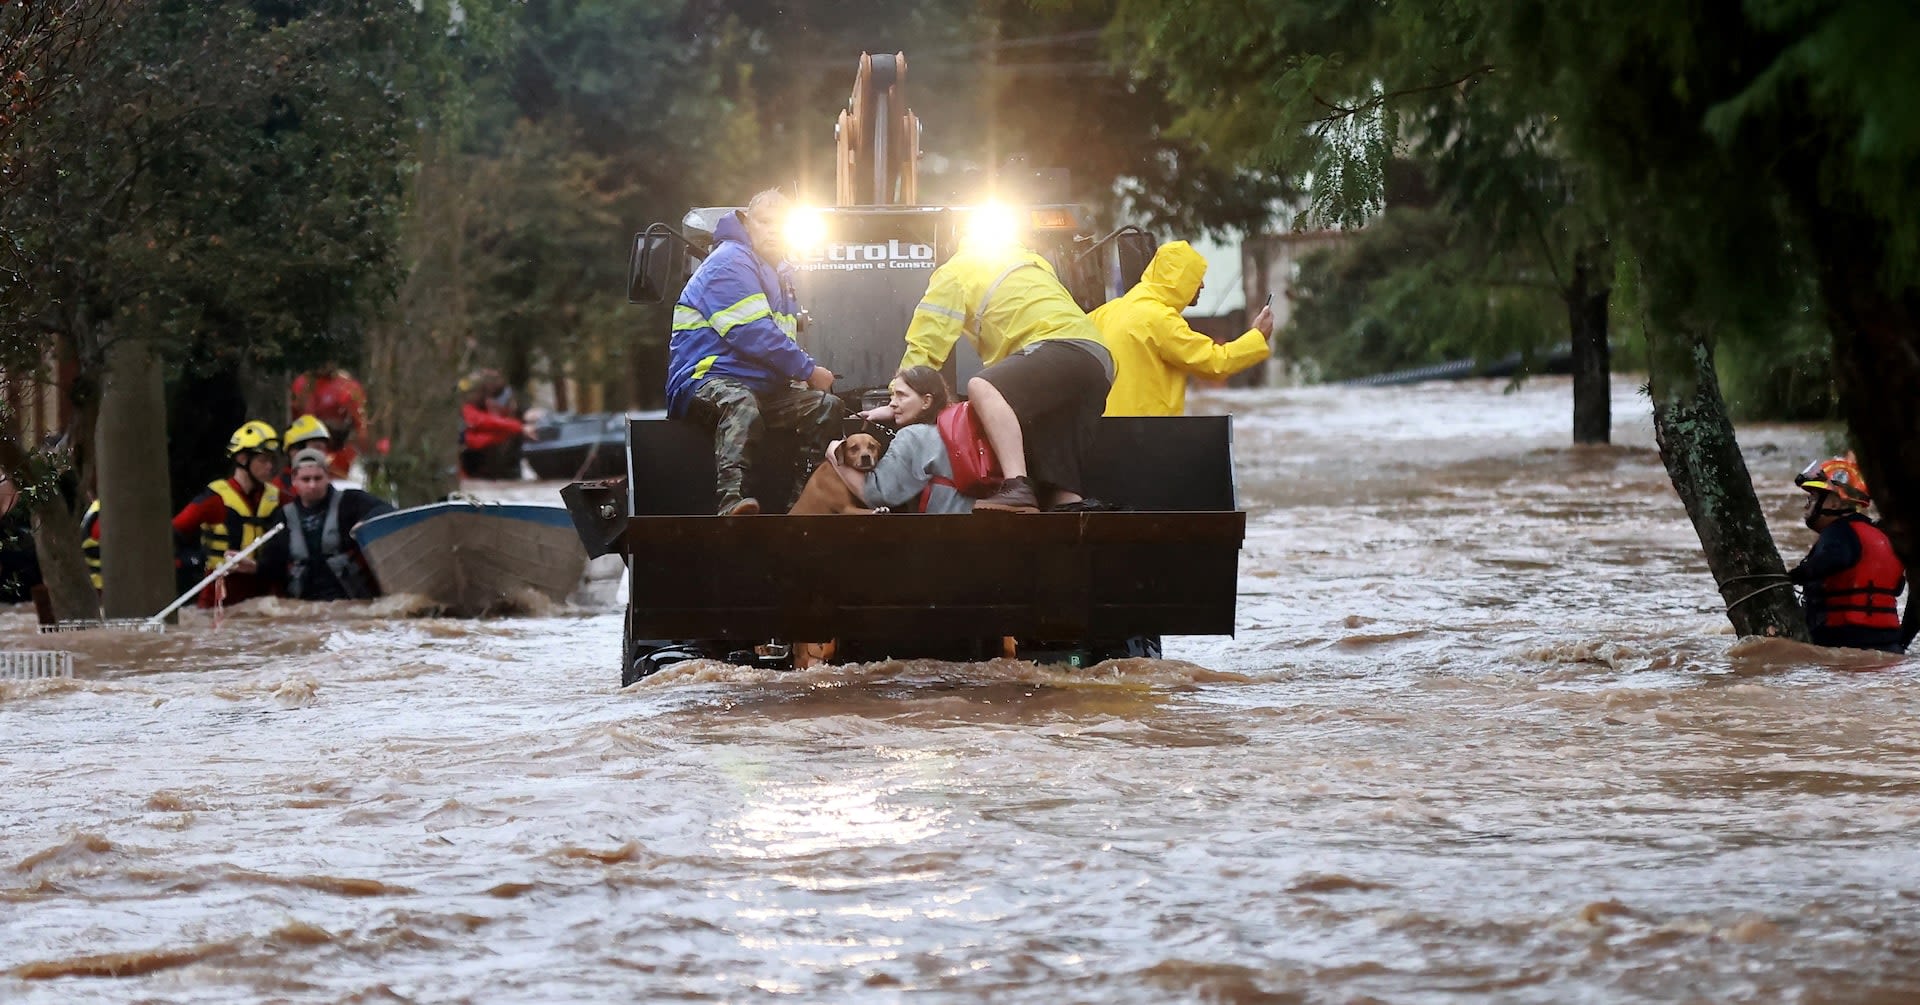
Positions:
(976, 472)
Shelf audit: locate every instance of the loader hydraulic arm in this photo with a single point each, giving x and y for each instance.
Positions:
(877, 140)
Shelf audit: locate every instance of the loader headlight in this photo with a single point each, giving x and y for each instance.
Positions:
(993, 225)
(806, 229)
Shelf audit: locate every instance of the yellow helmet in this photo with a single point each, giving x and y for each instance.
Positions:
(253, 436)
(306, 428)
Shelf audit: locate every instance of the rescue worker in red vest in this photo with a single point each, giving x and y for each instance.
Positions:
(491, 428)
(1851, 580)
(315, 558)
(234, 511)
(334, 397)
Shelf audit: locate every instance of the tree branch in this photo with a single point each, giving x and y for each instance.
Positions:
(1339, 111)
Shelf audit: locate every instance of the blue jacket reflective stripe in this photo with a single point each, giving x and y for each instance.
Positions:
(735, 319)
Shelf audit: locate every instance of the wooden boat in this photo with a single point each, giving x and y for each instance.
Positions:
(475, 558)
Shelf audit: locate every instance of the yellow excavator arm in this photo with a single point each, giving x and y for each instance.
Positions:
(877, 140)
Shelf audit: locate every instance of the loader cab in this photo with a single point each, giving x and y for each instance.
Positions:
(859, 271)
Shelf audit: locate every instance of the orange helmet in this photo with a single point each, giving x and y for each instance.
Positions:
(1839, 476)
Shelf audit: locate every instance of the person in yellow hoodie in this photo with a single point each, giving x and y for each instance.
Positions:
(1153, 347)
(1046, 372)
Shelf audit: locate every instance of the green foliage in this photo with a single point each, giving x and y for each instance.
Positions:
(596, 119)
(604, 116)
(1788, 375)
(1398, 294)
(227, 179)
(1840, 68)
(1490, 236)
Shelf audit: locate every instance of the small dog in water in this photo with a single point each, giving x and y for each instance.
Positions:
(832, 487)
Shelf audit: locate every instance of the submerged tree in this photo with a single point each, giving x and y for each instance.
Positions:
(1748, 145)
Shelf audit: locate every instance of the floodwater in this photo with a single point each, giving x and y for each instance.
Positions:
(1483, 736)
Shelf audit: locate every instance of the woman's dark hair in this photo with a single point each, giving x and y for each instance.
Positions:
(927, 380)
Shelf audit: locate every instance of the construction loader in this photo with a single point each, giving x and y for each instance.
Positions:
(778, 589)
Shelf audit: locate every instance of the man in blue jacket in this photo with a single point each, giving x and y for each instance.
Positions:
(733, 363)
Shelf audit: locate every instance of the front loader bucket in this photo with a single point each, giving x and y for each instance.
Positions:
(910, 576)
(1167, 563)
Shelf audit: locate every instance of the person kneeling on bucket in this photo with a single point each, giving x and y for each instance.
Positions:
(315, 558)
(1851, 580)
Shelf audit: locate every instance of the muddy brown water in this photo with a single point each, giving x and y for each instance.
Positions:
(1483, 736)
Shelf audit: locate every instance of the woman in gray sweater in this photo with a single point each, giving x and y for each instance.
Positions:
(916, 463)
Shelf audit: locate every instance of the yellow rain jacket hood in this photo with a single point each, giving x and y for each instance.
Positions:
(1153, 347)
(1002, 298)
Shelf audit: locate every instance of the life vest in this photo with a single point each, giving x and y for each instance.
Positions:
(90, 543)
(244, 523)
(300, 561)
(1863, 596)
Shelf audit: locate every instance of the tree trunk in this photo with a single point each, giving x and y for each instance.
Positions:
(1702, 457)
(136, 554)
(63, 568)
(1876, 353)
(56, 535)
(1586, 300)
(413, 356)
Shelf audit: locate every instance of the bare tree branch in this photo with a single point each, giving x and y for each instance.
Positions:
(1337, 111)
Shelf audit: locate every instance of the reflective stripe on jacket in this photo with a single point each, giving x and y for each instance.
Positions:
(1002, 299)
(737, 318)
(1864, 595)
(244, 523)
(1153, 347)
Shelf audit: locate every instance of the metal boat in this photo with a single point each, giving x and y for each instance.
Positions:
(475, 558)
(577, 447)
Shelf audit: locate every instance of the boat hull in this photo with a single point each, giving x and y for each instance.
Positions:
(472, 559)
(574, 447)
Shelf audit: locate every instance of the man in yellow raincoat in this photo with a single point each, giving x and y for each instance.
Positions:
(1156, 350)
(1046, 373)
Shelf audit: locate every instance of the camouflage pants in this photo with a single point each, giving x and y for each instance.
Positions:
(739, 418)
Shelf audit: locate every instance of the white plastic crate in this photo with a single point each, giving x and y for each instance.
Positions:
(36, 665)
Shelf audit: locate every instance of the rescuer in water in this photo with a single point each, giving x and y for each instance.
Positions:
(234, 511)
(316, 559)
(1851, 580)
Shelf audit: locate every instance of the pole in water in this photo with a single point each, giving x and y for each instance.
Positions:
(217, 573)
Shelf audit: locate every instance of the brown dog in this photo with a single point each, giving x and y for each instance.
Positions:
(828, 491)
